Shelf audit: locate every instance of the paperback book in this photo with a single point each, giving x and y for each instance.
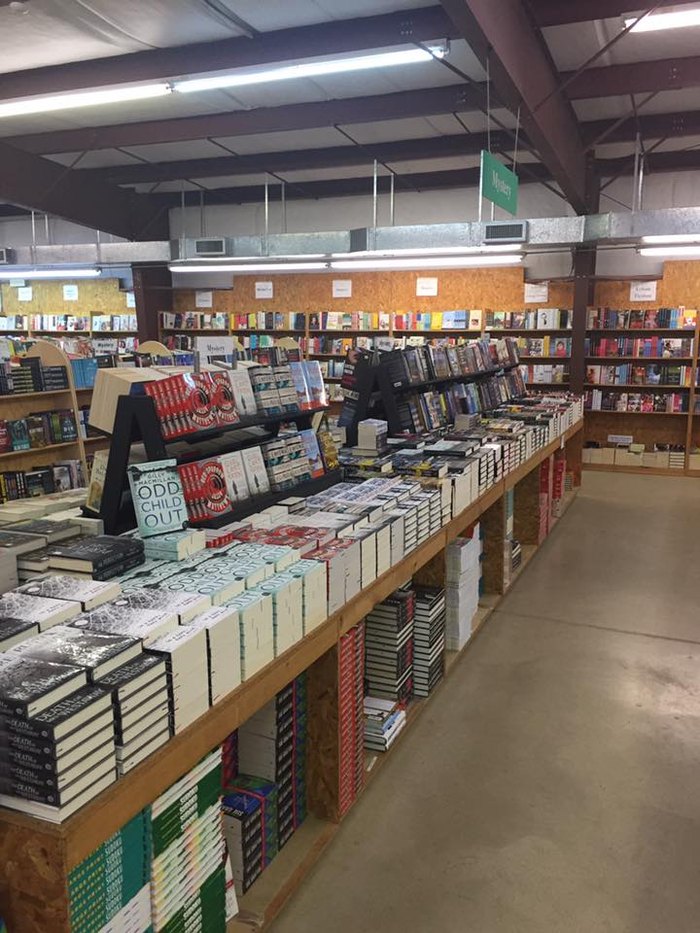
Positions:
(158, 497)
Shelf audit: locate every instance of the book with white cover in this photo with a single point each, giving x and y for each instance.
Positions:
(255, 471)
(186, 605)
(243, 393)
(224, 654)
(146, 624)
(98, 652)
(43, 611)
(89, 593)
(235, 476)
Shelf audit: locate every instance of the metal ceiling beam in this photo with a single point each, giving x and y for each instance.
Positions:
(42, 185)
(332, 38)
(651, 126)
(564, 12)
(523, 77)
(637, 78)
(437, 147)
(290, 118)
(683, 161)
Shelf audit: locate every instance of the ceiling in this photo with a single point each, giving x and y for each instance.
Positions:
(584, 90)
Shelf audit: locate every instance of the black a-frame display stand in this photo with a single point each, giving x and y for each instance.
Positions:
(136, 422)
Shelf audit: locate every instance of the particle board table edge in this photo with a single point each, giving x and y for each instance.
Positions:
(648, 471)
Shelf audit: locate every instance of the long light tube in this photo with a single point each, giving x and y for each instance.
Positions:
(671, 252)
(670, 19)
(255, 267)
(672, 238)
(431, 251)
(446, 262)
(67, 274)
(312, 69)
(51, 104)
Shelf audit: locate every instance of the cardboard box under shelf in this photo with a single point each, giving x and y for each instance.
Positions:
(693, 461)
(628, 459)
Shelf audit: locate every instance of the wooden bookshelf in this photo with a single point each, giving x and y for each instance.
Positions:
(38, 856)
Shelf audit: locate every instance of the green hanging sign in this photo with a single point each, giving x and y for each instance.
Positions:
(498, 183)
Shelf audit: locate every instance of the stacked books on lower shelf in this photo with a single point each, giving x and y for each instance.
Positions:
(351, 670)
(389, 646)
(614, 400)
(384, 721)
(428, 640)
(462, 586)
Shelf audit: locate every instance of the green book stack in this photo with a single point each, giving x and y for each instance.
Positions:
(114, 879)
(188, 884)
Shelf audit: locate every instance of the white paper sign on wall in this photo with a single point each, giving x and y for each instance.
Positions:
(210, 347)
(204, 299)
(643, 291)
(70, 292)
(264, 290)
(536, 293)
(24, 293)
(130, 300)
(342, 288)
(426, 287)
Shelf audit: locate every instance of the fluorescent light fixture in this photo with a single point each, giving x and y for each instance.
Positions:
(67, 274)
(446, 262)
(430, 251)
(255, 267)
(678, 252)
(669, 19)
(230, 260)
(28, 105)
(312, 69)
(672, 238)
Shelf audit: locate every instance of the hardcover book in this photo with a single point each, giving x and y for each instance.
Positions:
(98, 652)
(28, 685)
(158, 497)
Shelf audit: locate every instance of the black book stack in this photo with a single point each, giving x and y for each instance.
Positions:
(389, 646)
(141, 708)
(101, 557)
(56, 736)
(428, 640)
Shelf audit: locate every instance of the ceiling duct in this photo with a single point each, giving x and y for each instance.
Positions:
(510, 231)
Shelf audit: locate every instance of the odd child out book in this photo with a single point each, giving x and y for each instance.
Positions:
(159, 499)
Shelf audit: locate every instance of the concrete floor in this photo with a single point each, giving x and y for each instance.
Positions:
(552, 785)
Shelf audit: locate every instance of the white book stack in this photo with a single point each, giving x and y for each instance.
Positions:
(186, 606)
(287, 610)
(463, 572)
(146, 624)
(223, 651)
(135, 915)
(312, 574)
(187, 666)
(255, 630)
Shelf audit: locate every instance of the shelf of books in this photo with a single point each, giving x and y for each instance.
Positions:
(639, 364)
(192, 708)
(121, 327)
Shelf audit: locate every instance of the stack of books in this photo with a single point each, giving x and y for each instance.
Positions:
(384, 720)
(220, 625)
(40, 611)
(110, 889)
(243, 829)
(351, 665)
(272, 745)
(185, 653)
(389, 646)
(428, 640)
(101, 557)
(266, 834)
(188, 884)
(140, 699)
(462, 582)
(57, 738)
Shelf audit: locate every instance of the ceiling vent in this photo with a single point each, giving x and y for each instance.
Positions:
(210, 246)
(6, 255)
(506, 232)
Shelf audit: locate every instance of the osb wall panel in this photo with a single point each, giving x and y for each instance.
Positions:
(649, 430)
(680, 285)
(496, 289)
(101, 296)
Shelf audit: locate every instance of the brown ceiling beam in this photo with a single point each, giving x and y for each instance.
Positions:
(671, 74)
(564, 12)
(332, 38)
(524, 79)
(293, 117)
(651, 126)
(292, 160)
(684, 161)
(39, 184)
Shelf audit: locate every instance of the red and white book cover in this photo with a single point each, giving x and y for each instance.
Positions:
(223, 399)
(209, 488)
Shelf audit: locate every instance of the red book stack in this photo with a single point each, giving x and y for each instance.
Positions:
(351, 668)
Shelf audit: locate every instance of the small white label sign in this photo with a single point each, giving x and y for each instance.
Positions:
(17, 283)
(103, 345)
(130, 300)
(426, 287)
(70, 292)
(264, 290)
(536, 293)
(643, 291)
(24, 293)
(204, 299)
(342, 288)
(216, 346)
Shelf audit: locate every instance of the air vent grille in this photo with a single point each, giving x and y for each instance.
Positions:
(211, 246)
(508, 232)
